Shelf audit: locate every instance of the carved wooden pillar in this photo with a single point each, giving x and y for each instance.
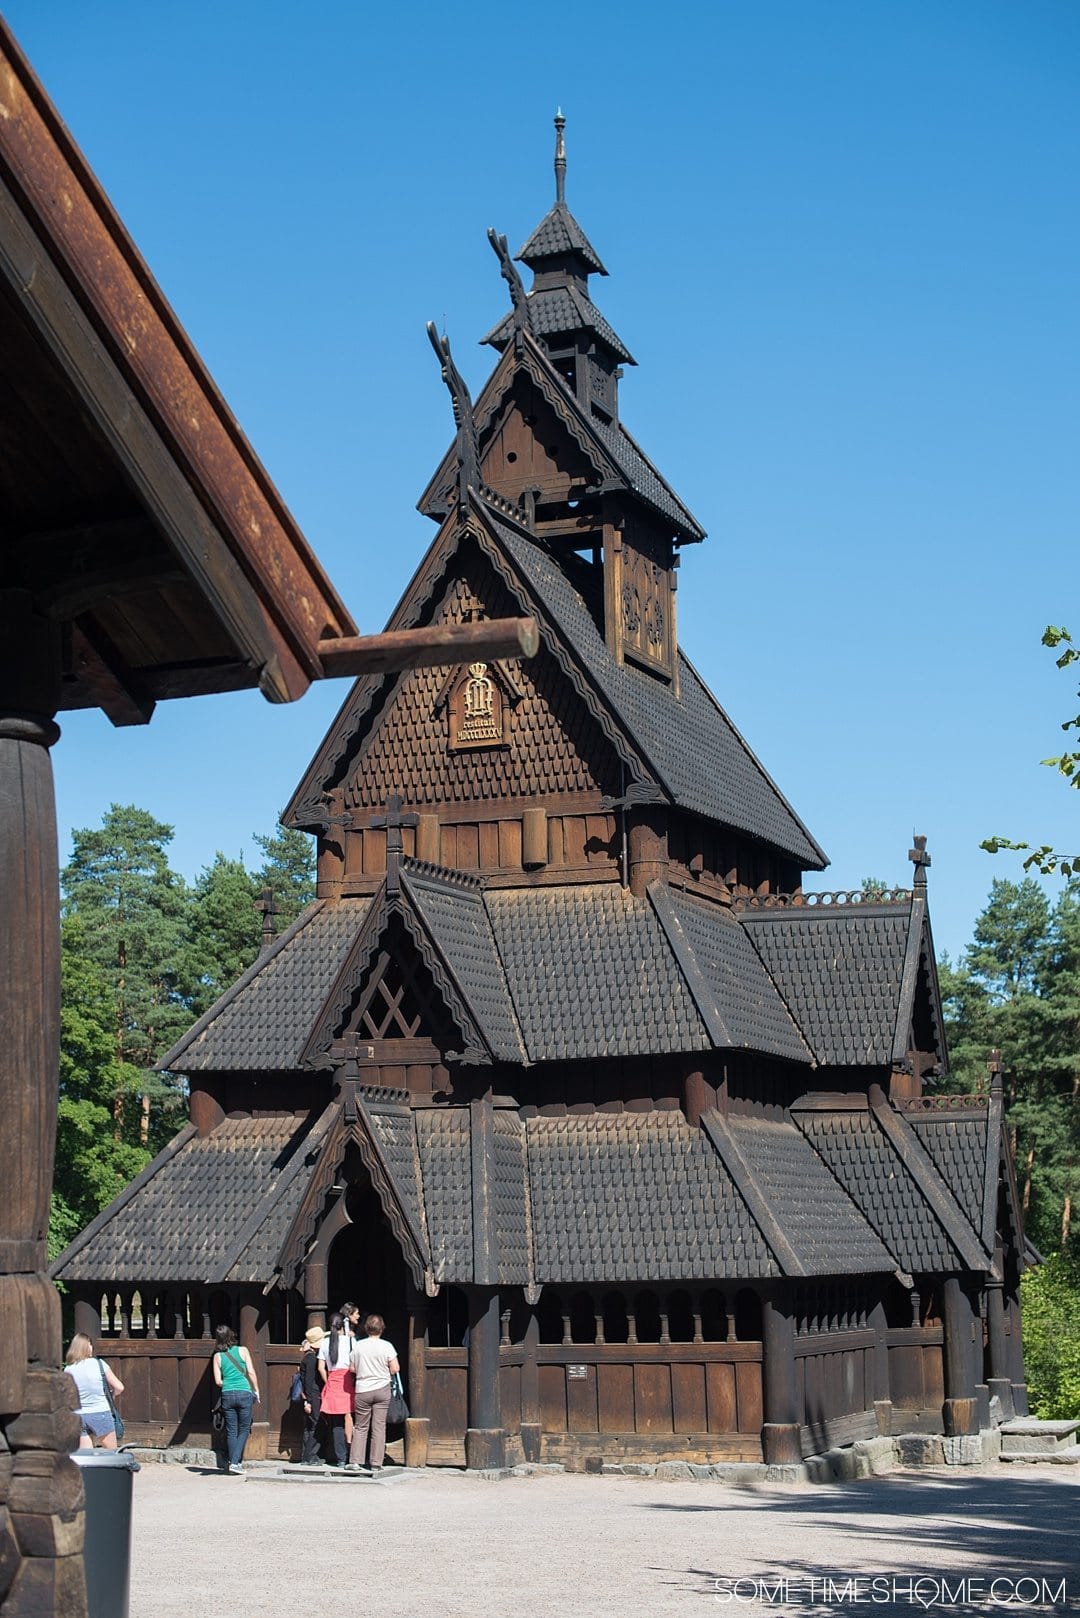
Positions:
(44, 1481)
(780, 1434)
(418, 1425)
(959, 1412)
(485, 1439)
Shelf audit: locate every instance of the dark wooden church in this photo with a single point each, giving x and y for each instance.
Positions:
(637, 1147)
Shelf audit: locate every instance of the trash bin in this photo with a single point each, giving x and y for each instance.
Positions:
(107, 1480)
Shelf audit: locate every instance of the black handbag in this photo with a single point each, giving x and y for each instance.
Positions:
(217, 1415)
(118, 1420)
(398, 1410)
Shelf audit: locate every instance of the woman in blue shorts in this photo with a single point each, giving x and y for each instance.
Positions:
(91, 1376)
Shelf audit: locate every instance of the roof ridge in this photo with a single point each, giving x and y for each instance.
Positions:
(429, 871)
(752, 756)
(928, 1177)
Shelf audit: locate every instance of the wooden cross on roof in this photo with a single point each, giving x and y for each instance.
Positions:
(394, 821)
(920, 859)
(265, 904)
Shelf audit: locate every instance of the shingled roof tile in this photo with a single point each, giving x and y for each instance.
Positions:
(636, 1197)
(557, 310)
(454, 914)
(840, 971)
(558, 233)
(747, 1012)
(822, 1222)
(181, 1224)
(261, 1024)
(864, 1161)
(592, 974)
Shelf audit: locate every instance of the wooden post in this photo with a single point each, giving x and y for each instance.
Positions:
(648, 846)
(418, 1425)
(254, 1335)
(959, 1412)
(878, 1323)
(530, 1392)
(29, 1060)
(485, 1439)
(1016, 1356)
(780, 1435)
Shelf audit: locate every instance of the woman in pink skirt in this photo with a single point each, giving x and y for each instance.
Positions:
(338, 1388)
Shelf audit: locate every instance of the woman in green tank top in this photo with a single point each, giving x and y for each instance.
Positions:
(234, 1374)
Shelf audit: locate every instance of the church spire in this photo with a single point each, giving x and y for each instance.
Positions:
(560, 158)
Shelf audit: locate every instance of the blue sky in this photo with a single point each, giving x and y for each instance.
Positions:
(842, 240)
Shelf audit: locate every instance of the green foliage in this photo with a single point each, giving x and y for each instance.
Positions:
(289, 870)
(224, 931)
(1044, 857)
(93, 1160)
(1050, 1302)
(143, 955)
(1017, 989)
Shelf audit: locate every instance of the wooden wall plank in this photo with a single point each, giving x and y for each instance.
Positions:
(489, 844)
(552, 1381)
(448, 1400)
(689, 1414)
(581, 1402)
(510, 844)
(748, 1398)
(722, 1406)
(652, 1399)
(615, 1398)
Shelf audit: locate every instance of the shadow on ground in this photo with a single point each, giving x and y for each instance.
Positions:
(991, 1528)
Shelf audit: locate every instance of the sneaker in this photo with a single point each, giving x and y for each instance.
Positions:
(237, 1471)
(352, 1466)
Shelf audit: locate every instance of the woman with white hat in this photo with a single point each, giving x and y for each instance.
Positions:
(309, 1373)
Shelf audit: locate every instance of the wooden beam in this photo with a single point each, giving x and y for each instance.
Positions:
(436, 645)
(117, 689)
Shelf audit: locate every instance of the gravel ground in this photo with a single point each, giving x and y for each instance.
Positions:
(438, 1543)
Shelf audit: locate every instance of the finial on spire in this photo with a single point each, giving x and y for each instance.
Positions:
(560, 156)
(920, 859)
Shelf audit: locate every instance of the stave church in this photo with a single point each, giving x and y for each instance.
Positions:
(644, 1153)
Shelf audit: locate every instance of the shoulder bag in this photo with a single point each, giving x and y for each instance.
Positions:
(118, 1420)
(398, 1410)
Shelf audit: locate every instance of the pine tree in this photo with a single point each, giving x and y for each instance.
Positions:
(288, 870)
(224, 931)
(130, 907)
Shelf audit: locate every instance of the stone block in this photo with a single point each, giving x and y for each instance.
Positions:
(697, 1470)
(963, 1449)
(53, 1534)
(7, 1466)
(919, 1449)
(673, 1469)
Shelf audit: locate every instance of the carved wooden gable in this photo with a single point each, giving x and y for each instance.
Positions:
(514, 731)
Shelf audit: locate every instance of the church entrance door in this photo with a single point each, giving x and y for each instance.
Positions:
(366, 1268)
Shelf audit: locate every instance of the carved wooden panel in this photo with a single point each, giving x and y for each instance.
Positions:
(555, 746)
(478, 709)
(641, 592)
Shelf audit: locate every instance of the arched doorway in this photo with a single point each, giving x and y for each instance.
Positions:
(365, 1266)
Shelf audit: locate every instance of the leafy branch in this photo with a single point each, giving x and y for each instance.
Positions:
(1044, 857)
